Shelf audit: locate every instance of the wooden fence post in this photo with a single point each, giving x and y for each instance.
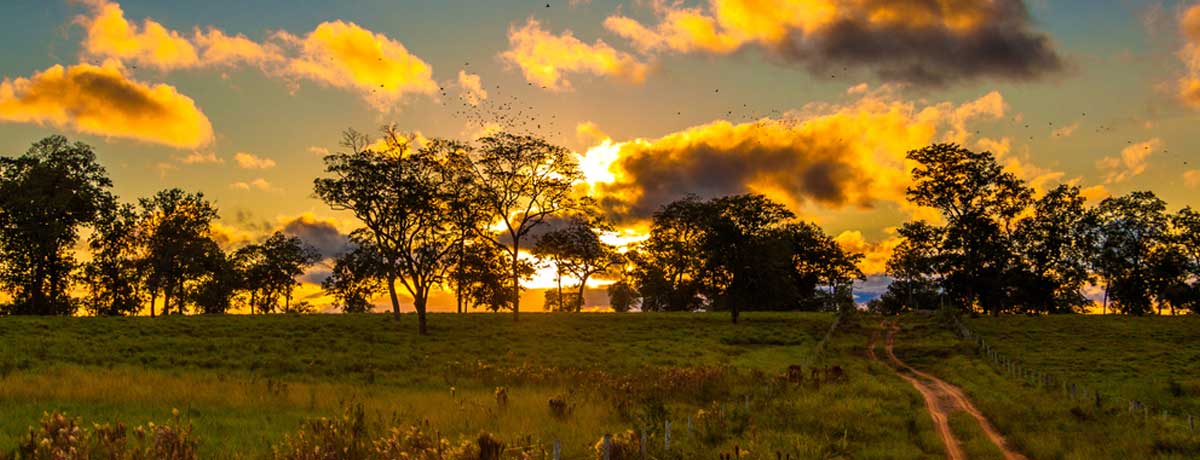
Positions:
(667, 435)
(557, 449)
(642, 445)
(607, 446)
(689, 427)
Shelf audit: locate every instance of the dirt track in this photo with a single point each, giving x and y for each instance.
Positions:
(941, 398)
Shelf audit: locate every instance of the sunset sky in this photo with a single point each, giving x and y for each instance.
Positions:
(812, 102)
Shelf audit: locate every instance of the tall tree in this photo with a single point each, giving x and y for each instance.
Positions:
(113, 278)
(916, 269)
(980, 202)
(46, 196)
(177, 227)
(523, 180)
(403, 193)
(1132, 227)
(576, 251)
(1053, 245)
(357, 277)
(668, 266)
(270, 269)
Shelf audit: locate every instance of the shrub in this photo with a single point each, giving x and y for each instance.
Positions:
(623, 446)
(60, 437)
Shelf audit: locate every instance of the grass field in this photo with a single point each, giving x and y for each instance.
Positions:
(247, 384)
(1044, 421)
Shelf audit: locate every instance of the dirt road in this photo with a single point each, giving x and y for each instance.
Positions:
(941, 398)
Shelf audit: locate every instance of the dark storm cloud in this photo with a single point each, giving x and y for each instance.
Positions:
(319, 234)
(1002, 45)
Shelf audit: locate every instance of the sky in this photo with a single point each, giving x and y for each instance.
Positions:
(811, 102)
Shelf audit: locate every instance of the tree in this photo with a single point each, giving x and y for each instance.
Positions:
(269, 270)
(1053, 246)
(483, 276)
(748, 263)
(402, 193)
(177, 228)
(113, 278)
(357, 278)
(980, 202)
(214, 291)
(622, 296)
(522, 180)
(668, 266)
(576, 250)
(916, 269)
(737, 253)
(1185, 237)
(46, 196)
(1132, 227)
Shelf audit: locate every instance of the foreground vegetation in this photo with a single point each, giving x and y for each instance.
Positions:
(280, 386)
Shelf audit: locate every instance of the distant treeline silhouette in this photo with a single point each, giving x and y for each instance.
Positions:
(1001, 250)
(440, 213)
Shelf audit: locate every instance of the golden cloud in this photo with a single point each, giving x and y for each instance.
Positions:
(824, 155)
(923, 42)
(110, 35)
(257, 184)
(546, 59)
(251, 161)
(103, 101)
(471, 87)
(338, 54)
(875, 255)
(222, 49)
(1131, 162)
(345, 55)
(1191, 178)
(1189, 84)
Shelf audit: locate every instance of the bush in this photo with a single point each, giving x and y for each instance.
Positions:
(60, 437)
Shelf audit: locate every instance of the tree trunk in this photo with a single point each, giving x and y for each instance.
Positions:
(582, 287)
(1104, 309)
(153, 297)
(419, 306)
(392, 292)
(516, 280)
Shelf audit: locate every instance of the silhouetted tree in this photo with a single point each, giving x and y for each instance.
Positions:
(980, 202)
(269, 270)
(404, 194)
(357, 277)
(177, 231)
(668, 266)
(523, 180)
(1185, 237)
(215, 289)
(576, 250)
(46, 196)
(485, 274)
(113, 278)
(622, 296)
(738, 253)
(1132, 227)
(1053, 246)
(916, 270)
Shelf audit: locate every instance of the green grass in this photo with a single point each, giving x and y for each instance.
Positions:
(1044, 422)
(245, 383)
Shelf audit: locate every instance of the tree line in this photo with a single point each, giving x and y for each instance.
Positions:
(999, 249)
(443, 213)
(477, 219)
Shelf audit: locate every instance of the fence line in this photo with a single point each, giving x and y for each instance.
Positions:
(1050, 382)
